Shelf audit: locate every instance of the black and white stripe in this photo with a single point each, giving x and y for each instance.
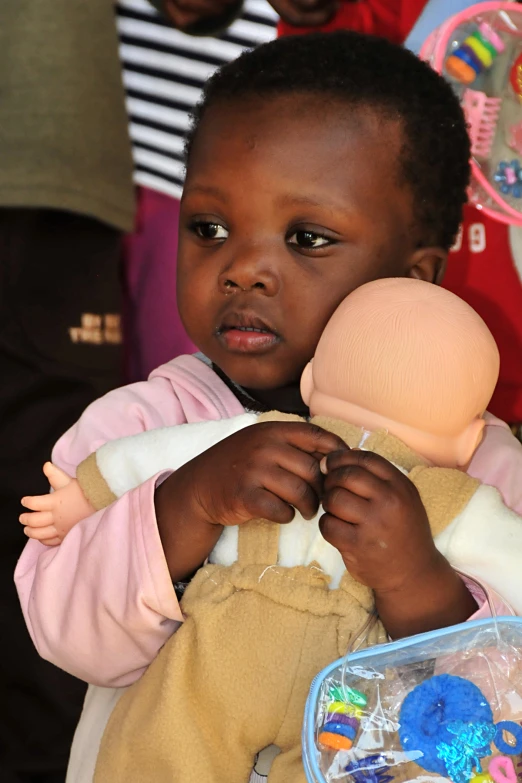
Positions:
(164, 71)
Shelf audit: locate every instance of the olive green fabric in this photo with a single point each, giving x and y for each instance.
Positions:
(64, 140)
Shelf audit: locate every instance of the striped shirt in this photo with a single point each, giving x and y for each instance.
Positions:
(164, 71)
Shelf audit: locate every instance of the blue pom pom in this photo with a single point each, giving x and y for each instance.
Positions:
(428, 710)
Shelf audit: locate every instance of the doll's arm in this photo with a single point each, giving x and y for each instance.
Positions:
(124, 464)
(117, 467)
(54, 514)
(485, 541)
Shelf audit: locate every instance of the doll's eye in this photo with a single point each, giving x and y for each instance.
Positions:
(309, 240)
(208, 230)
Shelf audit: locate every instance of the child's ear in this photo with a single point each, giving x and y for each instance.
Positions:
(428, 264)
(307, 384)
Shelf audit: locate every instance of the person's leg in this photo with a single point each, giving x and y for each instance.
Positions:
(154, 333)
(59, 350)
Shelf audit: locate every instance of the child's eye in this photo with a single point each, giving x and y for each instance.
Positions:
(309, 240)
(209, 230)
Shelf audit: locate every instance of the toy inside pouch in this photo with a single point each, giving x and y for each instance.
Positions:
(483, 62)
(444, 706)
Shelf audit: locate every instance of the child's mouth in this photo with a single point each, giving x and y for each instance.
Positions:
(245, 334)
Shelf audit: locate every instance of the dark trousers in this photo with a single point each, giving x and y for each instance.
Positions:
(59, 350)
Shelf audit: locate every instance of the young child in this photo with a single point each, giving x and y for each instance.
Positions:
(315, 164)
(420, 407)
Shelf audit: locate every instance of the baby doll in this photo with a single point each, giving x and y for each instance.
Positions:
(404, 369)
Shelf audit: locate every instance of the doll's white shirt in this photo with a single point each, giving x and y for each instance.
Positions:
(484, 540)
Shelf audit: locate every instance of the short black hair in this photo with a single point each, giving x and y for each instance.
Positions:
(368, 72)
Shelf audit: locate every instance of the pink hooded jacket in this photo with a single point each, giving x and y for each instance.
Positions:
(102, 604)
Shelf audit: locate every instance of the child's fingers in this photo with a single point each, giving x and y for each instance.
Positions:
(36, 518)
(366, 460)
(57, 477)
(356, 480)
(39, 502)
(41, 533)
(345, 505)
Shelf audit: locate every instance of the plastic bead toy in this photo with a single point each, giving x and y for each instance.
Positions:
(343, 718)
(508, 177)
(442, 707)
(475, 54)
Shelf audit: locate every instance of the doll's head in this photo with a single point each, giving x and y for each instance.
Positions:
(411, 358)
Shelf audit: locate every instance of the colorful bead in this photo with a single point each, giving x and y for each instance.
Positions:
(336, 727)
(491, 36)
(464, 56)
(334, 741)
(346, 719)
(485, 57)
(475, 54)
(345, 709)
(343, 717)
(345, 693)
(459, 70)
(486, 44)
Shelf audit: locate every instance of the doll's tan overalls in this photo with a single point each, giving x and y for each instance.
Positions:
(235, 677)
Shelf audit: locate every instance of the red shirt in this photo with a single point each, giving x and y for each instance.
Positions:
(483, 271)
(392, 19)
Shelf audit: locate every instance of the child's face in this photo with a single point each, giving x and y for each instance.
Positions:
(289, 205)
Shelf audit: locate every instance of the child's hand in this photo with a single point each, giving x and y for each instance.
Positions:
(305, 13)
(185, 13)
(263, 471)
(56, 513)
(375, 518)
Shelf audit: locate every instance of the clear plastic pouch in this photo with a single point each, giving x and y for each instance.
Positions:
(479, 51)
(445, 705)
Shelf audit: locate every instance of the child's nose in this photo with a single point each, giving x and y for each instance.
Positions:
(249, 272)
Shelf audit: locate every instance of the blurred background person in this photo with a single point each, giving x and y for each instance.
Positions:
(66, 200)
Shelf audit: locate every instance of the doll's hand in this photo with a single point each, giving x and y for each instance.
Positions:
(375, 518)
(53, 515)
